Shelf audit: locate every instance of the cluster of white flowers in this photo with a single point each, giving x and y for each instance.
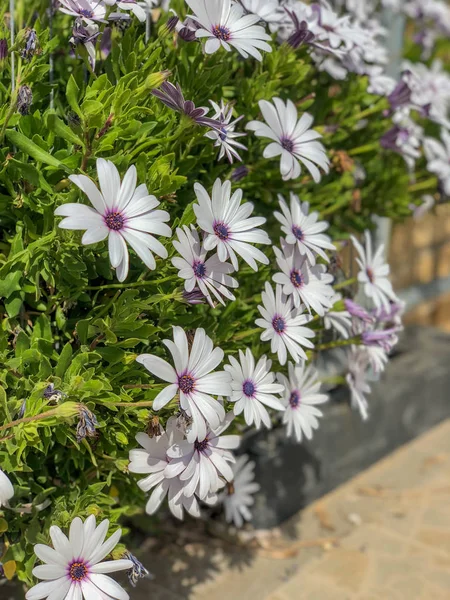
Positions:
(190, 461)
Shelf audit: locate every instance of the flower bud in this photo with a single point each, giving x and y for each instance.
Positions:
(24, 99)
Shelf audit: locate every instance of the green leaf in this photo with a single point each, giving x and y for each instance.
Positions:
(62, 130)
(10, 284)
(32, 149)
(72, 95)
(64, 360)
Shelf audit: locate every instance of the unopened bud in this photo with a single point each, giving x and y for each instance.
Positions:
(24, 99)
(156, 79)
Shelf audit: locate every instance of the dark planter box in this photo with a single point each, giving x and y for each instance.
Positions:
(411, 397)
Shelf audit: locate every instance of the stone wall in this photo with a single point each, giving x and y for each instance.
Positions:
(420, 255)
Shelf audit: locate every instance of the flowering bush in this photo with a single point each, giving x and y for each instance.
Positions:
(183, 144)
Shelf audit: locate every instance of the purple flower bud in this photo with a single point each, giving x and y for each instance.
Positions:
(400, 96)
(172, 23)
(358, 311)
(194, 297)
(301, 34)
(31, 45)
(385, 339)
(173, 98)
(24, 99)
(3, 50)
(87, 424)
(137, 571)
(239, 173)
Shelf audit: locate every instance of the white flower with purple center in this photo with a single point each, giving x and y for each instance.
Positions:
(304, 229)
(193, 379)
(228, 225)
(374, 273)
(152, 459)
(225, 24)
(210, 275)
(254, 388)
(204, 465)
(226, 137)
(284, 325)
(301, 397)
(130, 5)
(6, 489)
(74, 567)
(339, 320)
(307, 284)
(438, 157)
(122, 212)
(88, 10)
(292, 139)
(238, 494)
(356, 378)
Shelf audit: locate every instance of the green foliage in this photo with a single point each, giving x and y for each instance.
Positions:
(64, 317)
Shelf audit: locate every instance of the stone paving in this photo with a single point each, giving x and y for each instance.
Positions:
(384, 535)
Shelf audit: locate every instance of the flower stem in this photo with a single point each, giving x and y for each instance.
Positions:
(346, 283)
(423, 185)
(45, 415)
(365, 148)
(145, 404)
(136, 284)
(338, 343)
(245, 334)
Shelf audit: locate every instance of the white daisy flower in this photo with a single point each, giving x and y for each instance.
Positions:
(122, 213)
(228, 225)
(254, 388)
(269, 11)
(301, 395)
(303, 228)
(307, 284)
(151, 460)
(238, 496)
(74, 567)
(292, 139)
(374, 273)
(284, 325)
(225, 24)
(357, 381)
(131, 5)
(438, 157)
(193, 379)
(6, 489)
(210, 275)
(88, 10)
(204, 465)
(340, 321)
(226, 138)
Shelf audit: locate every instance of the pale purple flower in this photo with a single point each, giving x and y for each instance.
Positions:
(193, 378)
(88, 10)
(122, 212)
(226, 137)
(292, 139)
(173, 98)
(238, 494)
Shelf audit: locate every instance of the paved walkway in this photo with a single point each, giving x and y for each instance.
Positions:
(385, 535)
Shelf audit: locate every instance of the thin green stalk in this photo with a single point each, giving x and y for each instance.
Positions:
(346, 283)
(136, 284)
(338, 343)
(423, 185)
(365, 148)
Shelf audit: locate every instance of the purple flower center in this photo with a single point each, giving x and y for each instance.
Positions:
(279, 324)
(248, 388)
(186, 383)
(223, 134)
(114, 221)
(199, 269)
(222, 231)
(298, 233)
(287, 144)
(296, 279)
(222, 33)
(84, 12)
(370, 274)
(201, 446)
(294, 399)
(77, 571)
